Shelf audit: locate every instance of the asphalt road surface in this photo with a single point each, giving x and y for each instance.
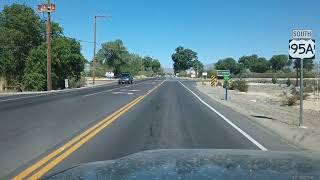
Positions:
(41, 135)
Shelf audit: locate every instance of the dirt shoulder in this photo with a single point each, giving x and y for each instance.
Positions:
(263, 104)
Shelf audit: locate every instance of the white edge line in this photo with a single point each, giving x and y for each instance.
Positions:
(228, 121)
(11, 99)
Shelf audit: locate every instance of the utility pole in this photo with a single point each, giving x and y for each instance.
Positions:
(94, 50)
(48, 8)
(94, 46)
(49, 81)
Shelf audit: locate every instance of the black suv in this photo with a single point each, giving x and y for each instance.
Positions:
(125, 78)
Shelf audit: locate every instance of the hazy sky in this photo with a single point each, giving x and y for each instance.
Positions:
(214, 29)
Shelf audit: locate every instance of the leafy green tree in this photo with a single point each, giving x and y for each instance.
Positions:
(115, 54)
(183, 59)
(67, 63)
(20, 31)
(156, 66)
(133, 65)
(198, 67)
(278, 62)
(248, 61)
(147, 63)
(260, 65)
(227, 64)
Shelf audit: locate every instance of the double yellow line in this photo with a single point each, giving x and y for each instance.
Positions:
(64, 151)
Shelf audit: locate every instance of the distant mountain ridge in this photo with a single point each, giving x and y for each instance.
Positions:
(208, 66)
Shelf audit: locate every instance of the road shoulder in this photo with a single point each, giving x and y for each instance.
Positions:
(264, 136)
(301, 138)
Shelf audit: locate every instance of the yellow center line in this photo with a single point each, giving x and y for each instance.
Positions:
(35, 166)
(56, 161)
(75, 143)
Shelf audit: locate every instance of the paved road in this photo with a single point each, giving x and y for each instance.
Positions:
(152, 114)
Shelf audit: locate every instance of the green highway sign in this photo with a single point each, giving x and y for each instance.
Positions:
(221, 73)
(226, 77)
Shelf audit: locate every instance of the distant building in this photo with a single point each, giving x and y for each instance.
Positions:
(190, 71)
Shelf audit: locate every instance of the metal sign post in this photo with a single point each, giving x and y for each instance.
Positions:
(301, 47)
(301, 92)
(226, 81)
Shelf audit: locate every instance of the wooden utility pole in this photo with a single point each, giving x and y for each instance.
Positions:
(48, 8)
(49, 56)
(94, 50)
(94, 45)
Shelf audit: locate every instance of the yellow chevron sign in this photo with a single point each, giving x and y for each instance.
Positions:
(214, 80)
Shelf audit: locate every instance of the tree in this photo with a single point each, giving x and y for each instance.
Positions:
(20, 31)
(278, 62)
(67, 63)
(248, 61)
(133, 64)
(183, 59)
(156, 66)
(227, 64)
(260, 65)
(147, 63)
(115, 54)
(198, 67)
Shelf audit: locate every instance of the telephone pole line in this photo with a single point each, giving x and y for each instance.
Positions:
(49, 56)
(94, 46)
(48, 8)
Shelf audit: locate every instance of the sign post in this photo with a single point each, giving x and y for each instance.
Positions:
(226, 81)
(301, 47)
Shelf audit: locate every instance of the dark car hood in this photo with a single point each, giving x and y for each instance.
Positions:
(201, 164)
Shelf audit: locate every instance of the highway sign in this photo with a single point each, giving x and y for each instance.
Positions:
(302, 49)
(204, 73)
(226, 77)
(301, 34)
(214, 80)
(221, 73)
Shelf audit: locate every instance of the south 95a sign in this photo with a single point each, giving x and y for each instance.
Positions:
(302, 49)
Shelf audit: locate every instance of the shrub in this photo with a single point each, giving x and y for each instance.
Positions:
(308, 89)
(288, 82)
(274, 80)
(290, 100)
(73, 83)
(240, 85)
(296, 93)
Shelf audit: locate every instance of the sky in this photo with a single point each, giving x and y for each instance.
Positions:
(215, 29)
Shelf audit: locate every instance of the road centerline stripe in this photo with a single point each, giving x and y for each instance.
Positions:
(44, 160)
(227, 120)
(62, 152)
